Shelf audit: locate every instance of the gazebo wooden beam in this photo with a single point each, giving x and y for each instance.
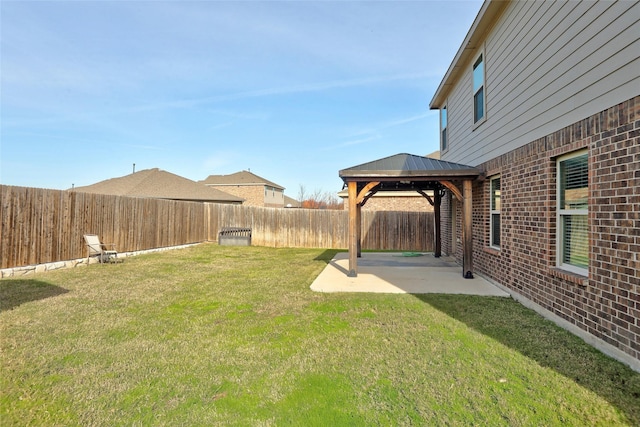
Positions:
(467, 233)
(352, 188)
(437, 250)
(435, 202)
(426, 196)
(455, 190)
(358, 230)
(363, 193)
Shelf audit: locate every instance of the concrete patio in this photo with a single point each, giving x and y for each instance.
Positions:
(398, 273)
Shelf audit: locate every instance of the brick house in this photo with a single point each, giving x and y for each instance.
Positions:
(256, 190)
(544, 99)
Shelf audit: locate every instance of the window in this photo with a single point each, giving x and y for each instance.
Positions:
(573, 196)
(443, 128)
(495, 212)
(478, 89)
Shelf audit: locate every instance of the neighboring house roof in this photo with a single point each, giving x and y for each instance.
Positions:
(485, 19)
(290, 202)
(239, 178)
(159, 184)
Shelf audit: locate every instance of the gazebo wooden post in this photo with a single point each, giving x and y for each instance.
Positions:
(352, 188)
(359, 229)
(467, 234)
(437, 199)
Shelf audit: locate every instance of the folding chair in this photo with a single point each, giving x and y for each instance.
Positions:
(99, 249)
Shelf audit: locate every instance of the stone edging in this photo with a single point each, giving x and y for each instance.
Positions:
(50, 266)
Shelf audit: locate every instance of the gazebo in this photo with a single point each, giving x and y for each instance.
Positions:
(403, 172)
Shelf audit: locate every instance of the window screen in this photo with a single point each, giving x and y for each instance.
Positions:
(573, 198)
(495, 212)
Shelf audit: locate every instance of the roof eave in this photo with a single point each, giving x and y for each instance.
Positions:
(408, 175)
(485, 19)
(244, 184)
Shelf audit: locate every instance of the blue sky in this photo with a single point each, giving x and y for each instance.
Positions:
(293, 91)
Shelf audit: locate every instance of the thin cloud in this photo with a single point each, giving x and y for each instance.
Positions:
(358, 141)
(405, 120)
(378, 127)
(220, 126)
(220, 159)
(200, 101)
(374, 133)
(145, 147)
(240, 114)
(180, 82)
(277, 91)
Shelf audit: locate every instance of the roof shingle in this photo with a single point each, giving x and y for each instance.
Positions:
(160, 184)
(239, 178)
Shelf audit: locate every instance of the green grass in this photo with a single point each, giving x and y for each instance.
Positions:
(216, 335)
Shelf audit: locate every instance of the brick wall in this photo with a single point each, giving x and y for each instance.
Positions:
(607, 303)
(253, 194)
(402, 203)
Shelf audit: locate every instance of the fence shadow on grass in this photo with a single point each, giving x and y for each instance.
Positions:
(525, 331)
(14, 293)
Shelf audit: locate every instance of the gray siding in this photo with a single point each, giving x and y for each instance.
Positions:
(548, 65)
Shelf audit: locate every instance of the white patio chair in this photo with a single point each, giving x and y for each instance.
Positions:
(99, 249)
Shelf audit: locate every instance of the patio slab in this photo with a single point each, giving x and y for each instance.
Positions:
(399, 273)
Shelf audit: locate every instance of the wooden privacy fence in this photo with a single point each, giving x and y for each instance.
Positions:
(312, 228)
(40, 226)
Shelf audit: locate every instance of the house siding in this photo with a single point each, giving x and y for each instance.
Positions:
(548, 65)
(606, 305)
(273, 197)
(255, 195)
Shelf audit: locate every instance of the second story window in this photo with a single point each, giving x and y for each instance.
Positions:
(443, 128)
(478, 89)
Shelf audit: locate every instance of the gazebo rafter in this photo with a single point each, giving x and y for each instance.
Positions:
(367, 192)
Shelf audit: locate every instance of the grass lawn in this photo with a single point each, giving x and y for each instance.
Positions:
(215, 335)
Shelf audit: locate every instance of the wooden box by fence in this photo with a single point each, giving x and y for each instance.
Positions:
(234, 236)
(40, 226)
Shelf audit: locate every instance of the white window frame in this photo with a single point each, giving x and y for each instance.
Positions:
(482, 87)
(444, 129)
(561, 213)
(493, 210)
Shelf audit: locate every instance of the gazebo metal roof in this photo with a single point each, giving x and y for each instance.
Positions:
(408, 167)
